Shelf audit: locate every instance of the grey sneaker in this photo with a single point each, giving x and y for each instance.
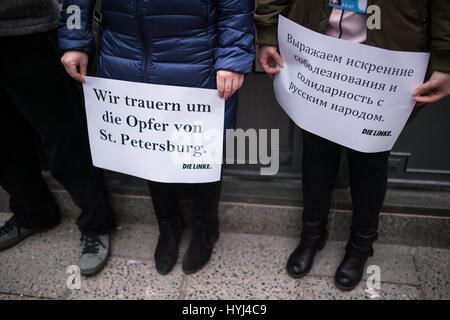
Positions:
(10, 234)
(95, 251)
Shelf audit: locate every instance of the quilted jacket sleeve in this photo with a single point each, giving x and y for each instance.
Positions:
(235, 51)
(70, 36)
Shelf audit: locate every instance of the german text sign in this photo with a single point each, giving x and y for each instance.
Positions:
(156, 132)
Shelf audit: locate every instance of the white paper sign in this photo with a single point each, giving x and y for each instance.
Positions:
(156, 132)
(352, 94)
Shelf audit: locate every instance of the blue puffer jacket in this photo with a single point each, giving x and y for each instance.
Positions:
(172, 42)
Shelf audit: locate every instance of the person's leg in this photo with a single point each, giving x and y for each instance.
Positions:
(368, 182)
(320, 167)
(165, 198)
(34, 208)
(321, 159)
(48, 99)
(205, 225)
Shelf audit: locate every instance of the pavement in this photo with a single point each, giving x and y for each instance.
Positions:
(243, 266)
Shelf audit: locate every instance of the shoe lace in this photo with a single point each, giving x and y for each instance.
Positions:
(90, 243)
(5, 229)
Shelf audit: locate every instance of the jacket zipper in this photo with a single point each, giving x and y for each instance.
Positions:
(144, 39)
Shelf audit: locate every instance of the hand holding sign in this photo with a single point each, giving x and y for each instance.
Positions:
(228, 83)
(436, 88)
(75, 63)
(270, 60)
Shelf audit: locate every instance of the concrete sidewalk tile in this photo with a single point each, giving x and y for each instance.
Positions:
(37, 266)
(263, 287)
(323, 288)
(54, 251)
(19, 297)
(410, 230)
(261, 219)
(433, 267)
(129, 209)
(33, 277)
(133, 209)
(135, 241)
(415, 200)
(129, 279)
(415, 230)
(245, 267)
(396, 262)
(59, 245)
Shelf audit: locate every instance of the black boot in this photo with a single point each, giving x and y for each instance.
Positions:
(358, 250)
(204, 236)
(166, 253)
(313, 239)
(205, 228)
(165, 202)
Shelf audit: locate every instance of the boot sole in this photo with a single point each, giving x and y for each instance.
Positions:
(297, 276)
(181, 225)
(19, 240)
(342, 288)
(216, 237)
(163, 273)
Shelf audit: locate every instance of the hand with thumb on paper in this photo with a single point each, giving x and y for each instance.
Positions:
(270, 60)
(75, 63)
(436, 88)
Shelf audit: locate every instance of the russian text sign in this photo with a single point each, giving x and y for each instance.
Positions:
(349, 93)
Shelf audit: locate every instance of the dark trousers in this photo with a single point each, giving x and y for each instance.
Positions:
(39, 100)
(205, 200)
(368, 181)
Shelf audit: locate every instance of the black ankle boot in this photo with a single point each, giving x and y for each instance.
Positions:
(166, 253)
(358, 250)
(313, 239)
(165, 198)
(204, 236)
(205, 228)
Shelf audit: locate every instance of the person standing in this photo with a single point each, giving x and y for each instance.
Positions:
(421, 25)
(202, 44)
(39, 101)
